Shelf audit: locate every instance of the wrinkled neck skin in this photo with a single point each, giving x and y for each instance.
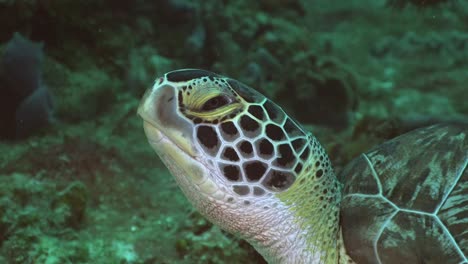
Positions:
(275, 233)
(300, 230)
(289, 232)
(295, 229)
(281, 240)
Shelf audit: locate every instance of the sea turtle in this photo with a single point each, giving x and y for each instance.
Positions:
(255, 172)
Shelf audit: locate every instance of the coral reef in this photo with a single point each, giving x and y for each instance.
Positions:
(91, 190)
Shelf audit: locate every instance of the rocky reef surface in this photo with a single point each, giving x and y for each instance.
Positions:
(88, 189)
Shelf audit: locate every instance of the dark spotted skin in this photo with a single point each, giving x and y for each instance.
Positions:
(406, 201)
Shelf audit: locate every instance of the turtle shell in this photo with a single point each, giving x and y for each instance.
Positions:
(406, 201)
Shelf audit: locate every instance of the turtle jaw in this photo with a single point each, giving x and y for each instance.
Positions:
(162, 120)
(171, 136)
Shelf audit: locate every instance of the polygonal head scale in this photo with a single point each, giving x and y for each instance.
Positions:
(255, 146)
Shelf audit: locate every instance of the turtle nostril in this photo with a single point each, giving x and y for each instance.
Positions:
(160, 80)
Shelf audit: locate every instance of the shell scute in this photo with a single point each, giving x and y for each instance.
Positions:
(358, 168)
(422, 177)
(401, 240)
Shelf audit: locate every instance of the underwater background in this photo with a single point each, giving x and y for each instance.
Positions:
(80, 184)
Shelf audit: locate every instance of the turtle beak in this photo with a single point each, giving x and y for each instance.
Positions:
(162, 119)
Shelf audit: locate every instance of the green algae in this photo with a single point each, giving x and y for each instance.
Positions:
(90, 190)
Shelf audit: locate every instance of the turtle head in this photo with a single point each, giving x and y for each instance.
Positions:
(232, 150)
(244, 139)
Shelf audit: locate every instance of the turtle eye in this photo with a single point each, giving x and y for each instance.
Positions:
(216, 102)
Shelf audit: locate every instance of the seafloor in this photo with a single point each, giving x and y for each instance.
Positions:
(87, 188)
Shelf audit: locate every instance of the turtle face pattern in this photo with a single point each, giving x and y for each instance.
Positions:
(254, 145)
(245, 165)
